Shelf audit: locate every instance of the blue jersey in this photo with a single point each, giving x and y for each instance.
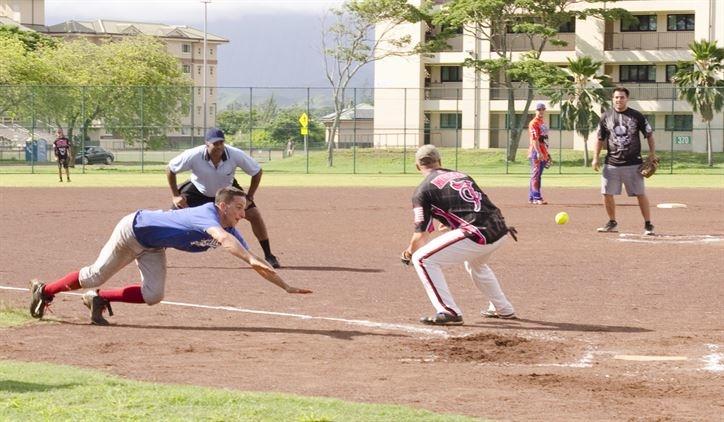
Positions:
(183, 229)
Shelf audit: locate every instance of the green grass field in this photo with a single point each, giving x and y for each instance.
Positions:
(38, 391)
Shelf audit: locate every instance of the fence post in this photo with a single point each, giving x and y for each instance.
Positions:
(251, 121)
(32, 132)
(306, 137)
(143, 131)
(404, 134)
(354, 131)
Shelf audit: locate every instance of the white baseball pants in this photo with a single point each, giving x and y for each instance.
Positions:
(454, 248)
(120, 250)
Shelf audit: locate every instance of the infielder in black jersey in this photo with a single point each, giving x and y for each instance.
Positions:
(619, 129)
(472, 229)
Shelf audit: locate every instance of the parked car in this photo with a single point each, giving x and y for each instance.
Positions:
(94, 155)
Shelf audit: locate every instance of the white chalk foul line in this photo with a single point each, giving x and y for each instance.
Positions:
(713, 360)
(359, 322)
(362, 323)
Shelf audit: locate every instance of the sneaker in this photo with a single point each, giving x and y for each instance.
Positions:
(273, 261)
(648, 229)
(539, 202)
(97, 305)
(495, 314)
(610, 227)
(39, 302)
(442, 318)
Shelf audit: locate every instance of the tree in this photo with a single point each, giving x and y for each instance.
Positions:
(501, 23)
(133, 86)
(580, 93)
(20, 68)
(32, 41)
(360, 33)
(701, 85)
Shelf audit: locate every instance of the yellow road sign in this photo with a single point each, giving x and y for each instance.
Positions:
(304, 130)
(304, 120)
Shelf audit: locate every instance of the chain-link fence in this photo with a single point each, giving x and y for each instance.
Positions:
(378, 131)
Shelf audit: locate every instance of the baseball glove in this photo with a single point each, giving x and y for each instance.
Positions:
(549, 163)
(649, 166)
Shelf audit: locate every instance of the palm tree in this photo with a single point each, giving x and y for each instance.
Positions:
(581, 92)
(701, 85)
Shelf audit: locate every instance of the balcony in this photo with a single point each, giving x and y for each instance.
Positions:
(652, 91)
(440, 92)
(500, 92)
(648, 40)
(521, 42)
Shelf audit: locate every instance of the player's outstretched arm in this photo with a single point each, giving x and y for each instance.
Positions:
(232, 245)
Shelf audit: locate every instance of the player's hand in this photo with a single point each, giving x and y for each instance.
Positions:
(595, 164)
(180, 201)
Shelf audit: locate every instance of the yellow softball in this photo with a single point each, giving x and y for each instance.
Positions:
(562, 217)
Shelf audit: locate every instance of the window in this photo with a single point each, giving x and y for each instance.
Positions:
(645, 23)
(638, 73)
(670, 72)
(680, 22)
(451, 73)
(651, 118)
(186, 68)
(555, 121)
(509, 121)
(211, 51)
(198, 69)
(679, 122)
(185, 48)
(211, 70)
(211, 91)
(451, 120)
(199, 53)
(568, 27)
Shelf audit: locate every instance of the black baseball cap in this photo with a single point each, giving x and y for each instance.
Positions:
(213, 135)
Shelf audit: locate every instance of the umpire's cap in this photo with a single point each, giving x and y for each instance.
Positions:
(214, 134)
(427, 154)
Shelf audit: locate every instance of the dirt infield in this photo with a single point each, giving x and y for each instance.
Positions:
(612, 329)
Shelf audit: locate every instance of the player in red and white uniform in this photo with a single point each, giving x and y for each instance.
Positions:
(472, 229)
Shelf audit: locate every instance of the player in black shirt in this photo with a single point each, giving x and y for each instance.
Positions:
(472, 229)
(619, 129)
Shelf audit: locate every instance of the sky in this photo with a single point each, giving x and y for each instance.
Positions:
(287, 56)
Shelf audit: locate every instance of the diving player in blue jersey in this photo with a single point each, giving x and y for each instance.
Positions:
(143, 236)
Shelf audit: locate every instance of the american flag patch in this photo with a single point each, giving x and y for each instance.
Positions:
(419, 214)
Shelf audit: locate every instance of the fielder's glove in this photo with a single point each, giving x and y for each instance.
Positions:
(405, 257)
(549, 163)
(649, 166)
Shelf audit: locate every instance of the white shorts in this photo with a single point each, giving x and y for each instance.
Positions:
(120, 250)
(612, 177)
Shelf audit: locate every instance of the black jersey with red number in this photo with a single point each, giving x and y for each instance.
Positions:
(454, 199)
(61, 146)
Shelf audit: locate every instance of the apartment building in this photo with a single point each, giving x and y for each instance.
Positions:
(183, 42)
(434, 99)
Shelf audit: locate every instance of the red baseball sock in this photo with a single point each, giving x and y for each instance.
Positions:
(129, 294)
(65, 284)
